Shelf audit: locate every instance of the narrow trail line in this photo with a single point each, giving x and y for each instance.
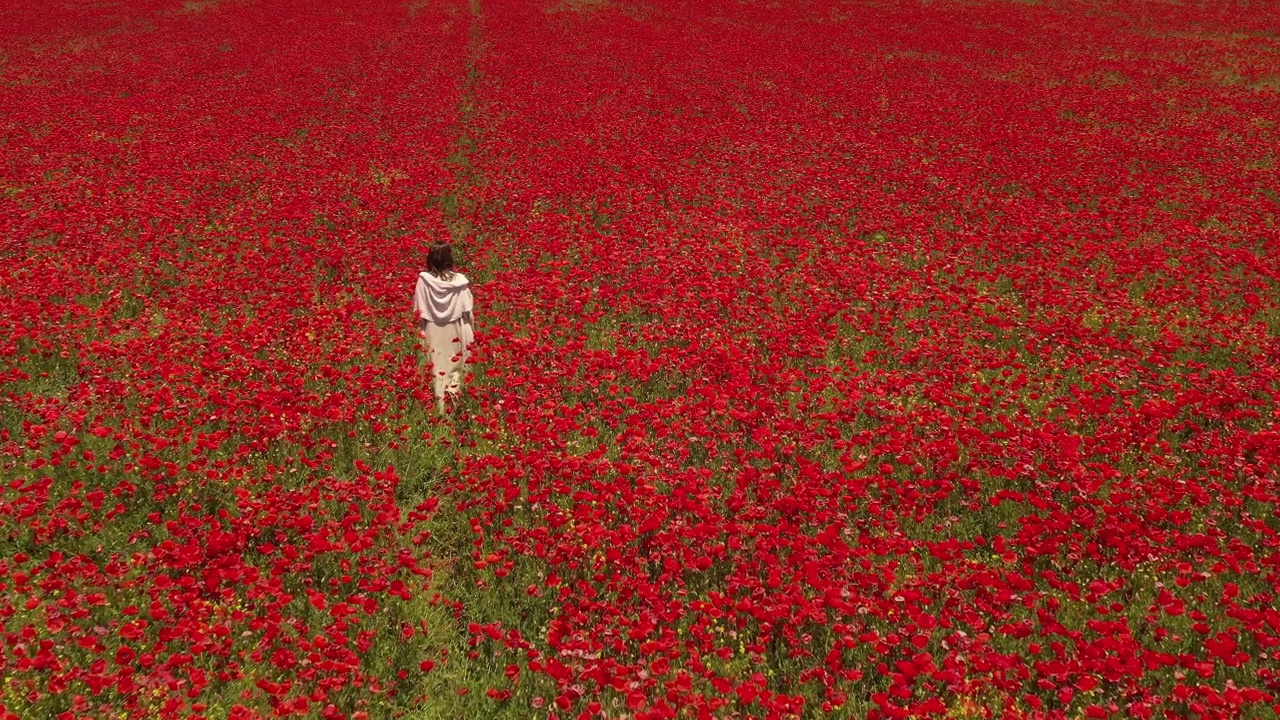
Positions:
(458, 205)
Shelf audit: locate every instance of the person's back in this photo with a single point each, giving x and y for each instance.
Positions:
(444, 307)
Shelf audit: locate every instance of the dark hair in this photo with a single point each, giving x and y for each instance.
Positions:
(440, 260)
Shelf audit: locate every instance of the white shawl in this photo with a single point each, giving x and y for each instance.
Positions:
(444, 301)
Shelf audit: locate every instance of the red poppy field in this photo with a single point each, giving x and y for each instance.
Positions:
(836, 358)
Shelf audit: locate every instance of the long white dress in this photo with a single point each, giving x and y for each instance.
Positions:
(446, 328)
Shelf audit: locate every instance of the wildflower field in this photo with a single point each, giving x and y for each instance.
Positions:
(836, 358)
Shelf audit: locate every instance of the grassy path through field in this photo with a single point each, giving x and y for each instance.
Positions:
(458, 205)
(456, 684)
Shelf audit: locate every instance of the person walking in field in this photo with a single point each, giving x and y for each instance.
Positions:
(443, 305)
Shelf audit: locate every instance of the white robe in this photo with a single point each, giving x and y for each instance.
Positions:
(444, 309)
